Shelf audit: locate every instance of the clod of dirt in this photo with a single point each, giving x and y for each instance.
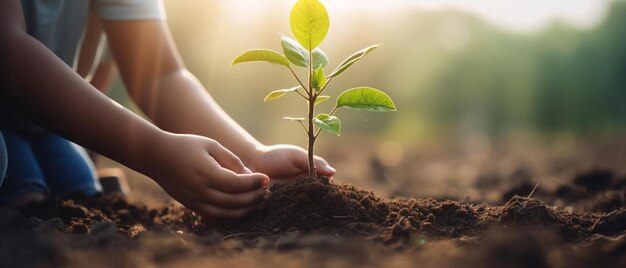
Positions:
(532, 212)
(609, 201)
(572, 193)
(399, 233)
(521, 210)
(595, 180)
(612, 223)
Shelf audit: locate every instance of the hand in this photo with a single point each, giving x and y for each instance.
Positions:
(206, 177)
(284, 161)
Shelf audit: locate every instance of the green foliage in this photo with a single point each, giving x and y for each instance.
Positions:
(318, 81)
(328, 123)
(297, 54)
(344, 65)
(309, 24)
(366, 99)
(319, 58)
(262, 55)
(320, 99)
(560, 80)
(279, 93)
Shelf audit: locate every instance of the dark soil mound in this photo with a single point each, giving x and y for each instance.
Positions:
(306, 213)
(80, 214)
(311, 206)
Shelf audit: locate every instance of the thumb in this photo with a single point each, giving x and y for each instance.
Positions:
(323, 168)
(227, 159)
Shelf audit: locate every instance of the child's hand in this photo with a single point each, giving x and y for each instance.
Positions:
(286, 161)
(206, 177)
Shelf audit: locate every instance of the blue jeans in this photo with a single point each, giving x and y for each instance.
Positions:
(3, 159)
(44, 163)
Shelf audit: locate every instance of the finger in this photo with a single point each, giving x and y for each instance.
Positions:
(323, 168)
(228, 182)
(226, 158)
(226, 200)
(214, 212)
(246, 170)
(300, 161)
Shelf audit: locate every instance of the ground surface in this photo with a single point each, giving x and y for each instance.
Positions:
(575, 218)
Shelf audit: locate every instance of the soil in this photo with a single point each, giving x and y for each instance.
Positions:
(311, 224)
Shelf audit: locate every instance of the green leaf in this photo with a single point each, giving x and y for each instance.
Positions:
(320, 99)
(366, 99)
(319, 58)
(309, 23)
(294, 119)
(328, 123)
(297, 54)
(279, 93)
(344, 65)
(262, 55)
(319, 79)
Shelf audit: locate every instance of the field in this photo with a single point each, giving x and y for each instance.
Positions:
(437, 208)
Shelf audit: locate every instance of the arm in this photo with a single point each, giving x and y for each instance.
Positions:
(60, 99)
(190, 168)
(165, 91)
(91, 48)
(93, 64)
(175, 100)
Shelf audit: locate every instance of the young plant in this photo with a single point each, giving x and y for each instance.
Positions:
(309, 25)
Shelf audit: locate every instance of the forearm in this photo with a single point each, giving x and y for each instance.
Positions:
(179, 103)
(158, 82)
(58, 98)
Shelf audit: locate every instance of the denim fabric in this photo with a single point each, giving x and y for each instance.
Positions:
(44, 163)
(3, 159)
(58, 25)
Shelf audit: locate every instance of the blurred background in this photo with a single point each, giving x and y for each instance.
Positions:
(485, 88)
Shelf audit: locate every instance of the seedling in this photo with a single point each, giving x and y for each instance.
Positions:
(309, 25)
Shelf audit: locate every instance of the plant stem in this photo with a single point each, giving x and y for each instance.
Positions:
(300, 82)
(305, 130)
(333, 111)
(324, 87)
(311, 140)
(311, 114)
(305, 97)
